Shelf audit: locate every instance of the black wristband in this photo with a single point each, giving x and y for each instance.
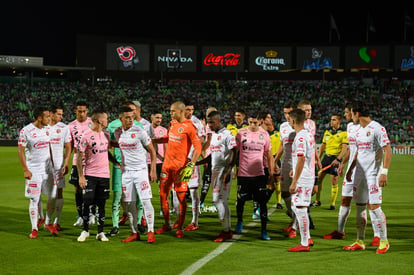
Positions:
(338, 159)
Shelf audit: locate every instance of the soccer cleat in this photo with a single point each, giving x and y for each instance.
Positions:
(299, 248)
(315, 204)
(332, 207)
(179, 233)
(91, 219)
(224, 236)
(40, 222)
(264, 236)
(141, 229)
(131, 238)
(101, 237)
(83, 236)
(292, 233)
(279, 206)
(123, 220)
(33, 235)
(310, 242)
(51, 229)
(57, 227)
(287, 229)
(79, 222)
(175, 225)
(163, 229)
(383, 247)
(191, 227)
(375, 241)
(256, 215)
(151, 237)
(114, 231)
(143, 222)
(239, 227)
(358, 245)
(334, 235)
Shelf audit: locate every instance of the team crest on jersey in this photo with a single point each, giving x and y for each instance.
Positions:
(368, 134)
(34, 135)
(84, 143)
(132, 135)
(181, 129)
(90, 125)
(219, 138)
(260, 136)
(160, 132)
(58, 131)
(47, 133)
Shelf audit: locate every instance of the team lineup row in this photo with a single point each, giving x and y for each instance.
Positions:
(145, 152)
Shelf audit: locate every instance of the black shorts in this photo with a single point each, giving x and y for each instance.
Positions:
(74, 177)
(252, 188)
(327, 160)
(96, 189)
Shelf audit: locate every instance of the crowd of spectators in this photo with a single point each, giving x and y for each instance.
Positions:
(391, 101)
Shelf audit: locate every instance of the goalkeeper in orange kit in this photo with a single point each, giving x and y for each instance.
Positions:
(177, 168)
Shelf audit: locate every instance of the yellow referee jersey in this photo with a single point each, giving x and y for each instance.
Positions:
(234, 128)
(275, 142)
(333, 140)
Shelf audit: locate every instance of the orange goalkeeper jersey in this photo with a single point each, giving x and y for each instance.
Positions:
(180, 138)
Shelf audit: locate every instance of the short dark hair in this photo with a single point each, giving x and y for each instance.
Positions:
(38, 111)
(253, 114)
(96, 114)
(298, 115)
(125, 109)
(289, 104)
(82, 102)
(55, 107)
(361, 107)
(263, 114)
(213, 114)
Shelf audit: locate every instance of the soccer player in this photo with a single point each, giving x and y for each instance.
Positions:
(35, 159)
(93, 171)
(253, 143)
(333, 149)
(177, 169)
(287, 136)
(60, 144)
(239, 122)
(303, 164)
(117, 176)
(159, 131)
(348, 186)
(77, 127)
(373, 158)
(276, 143)
(134, 143)
(223, 158)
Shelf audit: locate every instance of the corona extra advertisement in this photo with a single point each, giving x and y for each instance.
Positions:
(270, 59)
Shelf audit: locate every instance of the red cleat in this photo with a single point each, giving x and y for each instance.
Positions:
(292, 233)
(191, 227)
(358, 245)
(175, 225)
(51, 229)
(287, 229)
(151, 237)
(299, 248)
(40, 222)
(310, 242)
(163, 229)
(383, 247)
(375, 241)
(123, 220)
(334, 235)
(131, 238)
(33, 235)
(179, 233)
(224, 236)
(143, 222)
(57, 227)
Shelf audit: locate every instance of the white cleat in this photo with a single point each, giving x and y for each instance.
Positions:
(91, 220)
(101, 237)
(83, 236)
(79, 222)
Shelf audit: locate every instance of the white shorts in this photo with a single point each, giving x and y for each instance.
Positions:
(59, 178)
(367, 191)
(136, 182)
(285, 180)
(40, 184)
(348, 186)
(221, 190)
(195, 178)
(303, 194)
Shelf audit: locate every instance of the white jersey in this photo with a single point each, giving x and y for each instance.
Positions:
(132, 142)
(370, 140)
(201, 132)
(59, 135)
(351, 130)
(37, 148)
(148, 127)
(221, 144)
(287, 136)
(304, 145)
(310, 126)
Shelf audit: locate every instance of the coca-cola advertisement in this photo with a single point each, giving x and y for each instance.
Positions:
(222, 59)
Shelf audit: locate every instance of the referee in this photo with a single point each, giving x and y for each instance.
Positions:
(333, 149)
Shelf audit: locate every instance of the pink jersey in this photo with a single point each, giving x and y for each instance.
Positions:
(287, 136)
(159, 131)
(310, 126)
(221, 144)
(59, 135)
(132, 143)
(252, 147)
(370, 140)
(36, 142)
(95, 146)
(76, 129)
(304, 145)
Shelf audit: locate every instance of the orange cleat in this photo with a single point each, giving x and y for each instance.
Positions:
(358, 245)
(33, 235)
(51, 229)
(224, 236)
(292, 233)
(334, 235)
(383, 247)
(151, 237)
(131, 238)
(179, 233)
(191, 227)
(375, 241)
(163, 229)
(299, 248)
